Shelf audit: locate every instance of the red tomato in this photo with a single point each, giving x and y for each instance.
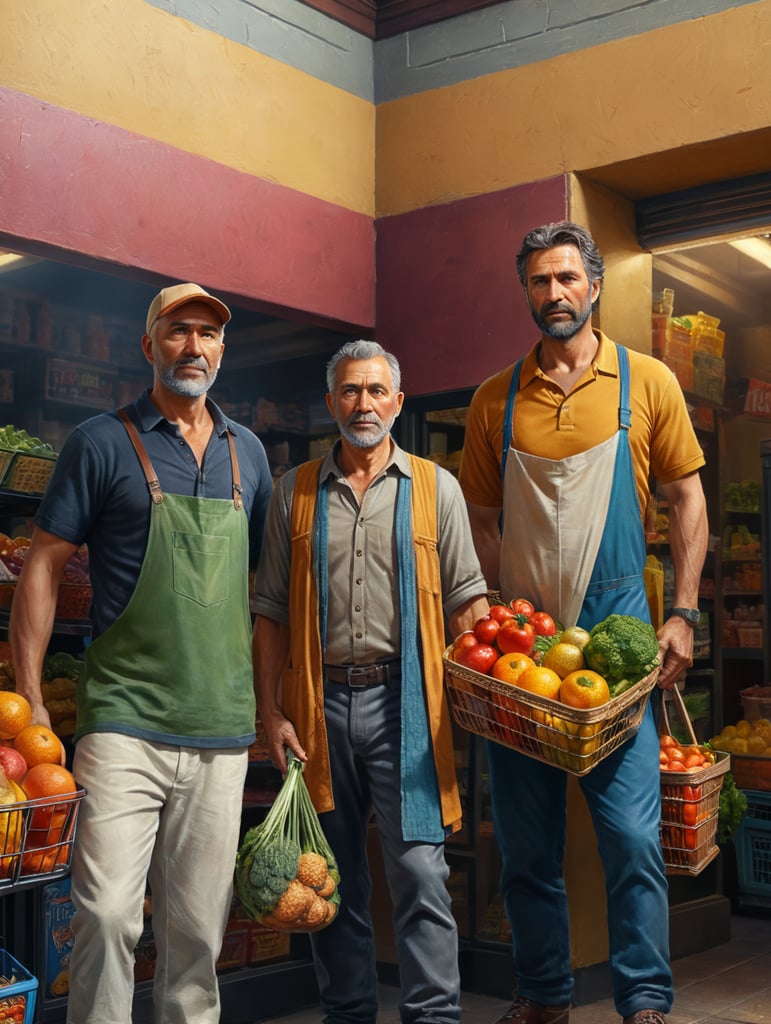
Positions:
(521, 606)
(690, 838)
(486, 629)
(480, 657)
(543, 624)
(692, 793)
(466, 639)
(674, 766)
(689, 814)
(501, 612)
(516, 636)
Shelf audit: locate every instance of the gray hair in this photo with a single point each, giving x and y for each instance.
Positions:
(362, 350)
(563, 232)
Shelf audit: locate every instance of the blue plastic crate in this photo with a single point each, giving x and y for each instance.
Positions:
(753, 845)
(23, 991)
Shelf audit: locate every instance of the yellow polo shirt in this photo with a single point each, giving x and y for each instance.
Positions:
(552, 425)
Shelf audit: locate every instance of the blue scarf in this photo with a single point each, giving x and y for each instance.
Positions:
(421, 809)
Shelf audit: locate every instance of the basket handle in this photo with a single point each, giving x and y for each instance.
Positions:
(677, 700)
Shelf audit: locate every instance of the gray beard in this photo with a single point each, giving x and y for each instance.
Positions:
(187, 387)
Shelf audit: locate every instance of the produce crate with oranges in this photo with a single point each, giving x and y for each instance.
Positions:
(518, 679)
(748, 741)
(691, 778)
(39, 799)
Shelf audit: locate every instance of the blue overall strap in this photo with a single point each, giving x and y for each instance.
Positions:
(617, 583)
(508, 417)
(421, 811)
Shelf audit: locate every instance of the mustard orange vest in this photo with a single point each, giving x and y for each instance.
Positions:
(302, 684)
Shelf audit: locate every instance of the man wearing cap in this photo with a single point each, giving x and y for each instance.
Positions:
(170, 496)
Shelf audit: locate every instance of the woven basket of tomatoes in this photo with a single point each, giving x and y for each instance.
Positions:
(691, 780)
(537, 694)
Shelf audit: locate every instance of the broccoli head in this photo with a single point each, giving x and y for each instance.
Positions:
(623, 649)
(263, 873)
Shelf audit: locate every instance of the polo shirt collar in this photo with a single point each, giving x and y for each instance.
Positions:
(605, 360)
(149, 417)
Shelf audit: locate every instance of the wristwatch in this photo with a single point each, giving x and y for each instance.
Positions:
(691, 615)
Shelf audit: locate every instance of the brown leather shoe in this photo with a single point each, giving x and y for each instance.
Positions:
(525, 1011)
(646, 1017)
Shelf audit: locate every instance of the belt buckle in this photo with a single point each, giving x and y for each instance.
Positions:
(364, 673)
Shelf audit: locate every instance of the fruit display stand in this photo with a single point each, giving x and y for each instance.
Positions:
(753, 850)
(18, 991)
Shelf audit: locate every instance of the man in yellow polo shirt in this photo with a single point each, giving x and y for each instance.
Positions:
(563, 444)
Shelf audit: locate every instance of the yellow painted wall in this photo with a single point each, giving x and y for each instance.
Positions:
(129, 64)
(672, 87)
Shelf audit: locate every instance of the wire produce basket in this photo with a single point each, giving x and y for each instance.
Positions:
(690, 803)
(36, 838)
(571, 738)
(28, 473)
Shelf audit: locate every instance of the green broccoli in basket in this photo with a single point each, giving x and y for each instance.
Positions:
(623, 649)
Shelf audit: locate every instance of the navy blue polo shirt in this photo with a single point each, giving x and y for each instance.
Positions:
(98, 494)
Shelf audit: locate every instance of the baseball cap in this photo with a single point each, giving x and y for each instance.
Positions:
(169, 299)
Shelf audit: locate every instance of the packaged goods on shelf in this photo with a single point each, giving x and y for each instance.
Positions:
(708, 376)
(706, 335)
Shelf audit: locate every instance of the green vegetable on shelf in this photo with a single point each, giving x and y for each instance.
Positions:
(733, 804)
(15, 440)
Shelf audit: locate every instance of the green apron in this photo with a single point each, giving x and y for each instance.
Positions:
(176, 665)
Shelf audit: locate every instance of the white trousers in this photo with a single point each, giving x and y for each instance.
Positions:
(169, 815)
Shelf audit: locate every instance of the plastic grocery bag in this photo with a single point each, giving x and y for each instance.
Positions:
(286, 875)
(653, 575)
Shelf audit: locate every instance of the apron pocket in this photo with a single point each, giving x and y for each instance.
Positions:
(201, 567)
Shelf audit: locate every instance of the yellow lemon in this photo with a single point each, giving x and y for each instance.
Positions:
(563, 659)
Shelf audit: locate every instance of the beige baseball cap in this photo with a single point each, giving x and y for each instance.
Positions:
(169, 299)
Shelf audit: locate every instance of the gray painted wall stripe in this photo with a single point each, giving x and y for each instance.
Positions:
(509, 35)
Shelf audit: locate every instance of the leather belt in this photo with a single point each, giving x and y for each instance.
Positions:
(360, 676)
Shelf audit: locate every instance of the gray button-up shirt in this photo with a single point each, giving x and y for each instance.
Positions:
(363, 619)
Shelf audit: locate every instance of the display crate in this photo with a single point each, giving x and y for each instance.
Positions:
(28, 474)
(18, 991)
(525, 722)
(756, 702)
(753, 846)
(751, 772)
(6, 457)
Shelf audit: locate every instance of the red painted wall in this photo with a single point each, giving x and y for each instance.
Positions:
(72, 185)
(449, 303)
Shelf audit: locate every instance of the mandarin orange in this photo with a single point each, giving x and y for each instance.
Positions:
(38, 744)
(540, 680)
(15, 714)
(509, 667)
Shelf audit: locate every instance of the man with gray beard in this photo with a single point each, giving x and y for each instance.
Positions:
(170, 497)
(368, 555)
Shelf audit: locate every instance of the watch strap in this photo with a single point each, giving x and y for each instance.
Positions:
(691, 615)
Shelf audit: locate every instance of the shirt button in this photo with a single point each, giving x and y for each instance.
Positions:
(357, 608)
(358, 553)
(359, 636)
(358, 583)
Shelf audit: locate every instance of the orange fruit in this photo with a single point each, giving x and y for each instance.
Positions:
(540, 680)
(10, 825)
(47, 781)
(564, 658)
(38, 744)
(584, 689)
(509, 667)
(15, 714)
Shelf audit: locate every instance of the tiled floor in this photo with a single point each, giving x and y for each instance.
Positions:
(729, 984)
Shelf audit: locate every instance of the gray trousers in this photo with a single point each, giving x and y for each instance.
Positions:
(363, 728)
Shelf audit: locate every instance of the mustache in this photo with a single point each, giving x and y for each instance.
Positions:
(364, 418)
(557, 307)
(198, 361)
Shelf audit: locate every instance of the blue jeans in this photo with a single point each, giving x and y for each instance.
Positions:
(363, 729)
(623, 796)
